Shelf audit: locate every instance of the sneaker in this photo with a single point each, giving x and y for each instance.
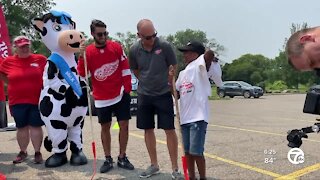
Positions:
(37, 158)
(107, 165)
(22, 156)
(151, 170)
(125, 163)
(176, 174)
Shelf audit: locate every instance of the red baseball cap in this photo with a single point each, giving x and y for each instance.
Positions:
(21, 41)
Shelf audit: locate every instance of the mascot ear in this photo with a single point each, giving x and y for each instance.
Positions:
(73, 25)
(38, 24)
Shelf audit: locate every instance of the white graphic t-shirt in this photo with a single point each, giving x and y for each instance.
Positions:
(194, 87)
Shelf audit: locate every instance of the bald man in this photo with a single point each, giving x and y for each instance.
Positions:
(149, 59)
(303, 49)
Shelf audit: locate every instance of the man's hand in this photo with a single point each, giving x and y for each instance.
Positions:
(171, 74)
(82, 48)
(208, 58)
(171, 70)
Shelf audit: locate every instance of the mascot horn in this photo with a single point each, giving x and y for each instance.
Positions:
(63, 100)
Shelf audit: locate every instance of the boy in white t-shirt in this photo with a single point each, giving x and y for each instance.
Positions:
(194, 89)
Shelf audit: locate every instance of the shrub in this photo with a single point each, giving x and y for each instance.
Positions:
(277, 85)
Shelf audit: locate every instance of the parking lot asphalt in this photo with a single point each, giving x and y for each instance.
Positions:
(246, 139)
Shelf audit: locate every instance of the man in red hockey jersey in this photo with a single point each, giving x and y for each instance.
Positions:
(111, 83)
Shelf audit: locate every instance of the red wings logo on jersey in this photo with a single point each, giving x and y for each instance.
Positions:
(34, 64)
(157, 52)
(106, 70)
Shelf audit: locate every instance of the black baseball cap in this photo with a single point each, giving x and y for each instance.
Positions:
(194, 46)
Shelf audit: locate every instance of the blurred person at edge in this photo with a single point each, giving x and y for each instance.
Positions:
(303, 49)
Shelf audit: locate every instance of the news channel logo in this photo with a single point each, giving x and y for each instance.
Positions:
(295, 156)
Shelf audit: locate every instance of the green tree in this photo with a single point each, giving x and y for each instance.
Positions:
(250, 68)
(19, 14)
(294, 28)
(126, 39)
(181, 38)
(256, 77)
(277, 85)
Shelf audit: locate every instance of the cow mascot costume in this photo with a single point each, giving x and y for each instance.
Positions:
(63, 101)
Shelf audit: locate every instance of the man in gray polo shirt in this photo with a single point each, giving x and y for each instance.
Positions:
(150, 59)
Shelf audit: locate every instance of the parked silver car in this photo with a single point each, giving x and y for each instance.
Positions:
(239, 88)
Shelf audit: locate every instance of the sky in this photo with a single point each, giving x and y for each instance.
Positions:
(241, 26)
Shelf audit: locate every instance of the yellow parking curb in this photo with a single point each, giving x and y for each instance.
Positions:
(301, 172)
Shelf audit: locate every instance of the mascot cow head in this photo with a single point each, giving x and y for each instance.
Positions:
(57, 32)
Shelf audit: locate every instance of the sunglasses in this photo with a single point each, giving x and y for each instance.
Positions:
(149, 37)
(100, 34)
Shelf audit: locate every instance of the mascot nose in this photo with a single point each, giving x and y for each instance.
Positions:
(76, 35)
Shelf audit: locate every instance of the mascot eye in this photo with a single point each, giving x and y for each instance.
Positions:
(57, 27)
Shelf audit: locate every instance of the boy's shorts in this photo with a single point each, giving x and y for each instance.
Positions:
(26, 114)
(193, 135)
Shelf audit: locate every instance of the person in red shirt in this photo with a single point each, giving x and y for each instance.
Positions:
(111, 83)
(23, 74)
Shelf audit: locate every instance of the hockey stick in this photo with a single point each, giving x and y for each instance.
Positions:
(183, 157)
(93, 145)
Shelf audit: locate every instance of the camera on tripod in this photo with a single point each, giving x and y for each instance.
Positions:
(295, 138)
(311, 106)
(312, 103)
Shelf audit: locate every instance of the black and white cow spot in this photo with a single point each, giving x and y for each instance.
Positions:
(62, 89)
(82, 124)
(52, 70)
(47, 144)
(63, 144)
(73, 69)
(71, 98)
(46, 106)
(83, 101)
(65, 110)
(73, 147)
(56, 95)
(56, 124)
(60, 76)
(82, 83)
(77, 121)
